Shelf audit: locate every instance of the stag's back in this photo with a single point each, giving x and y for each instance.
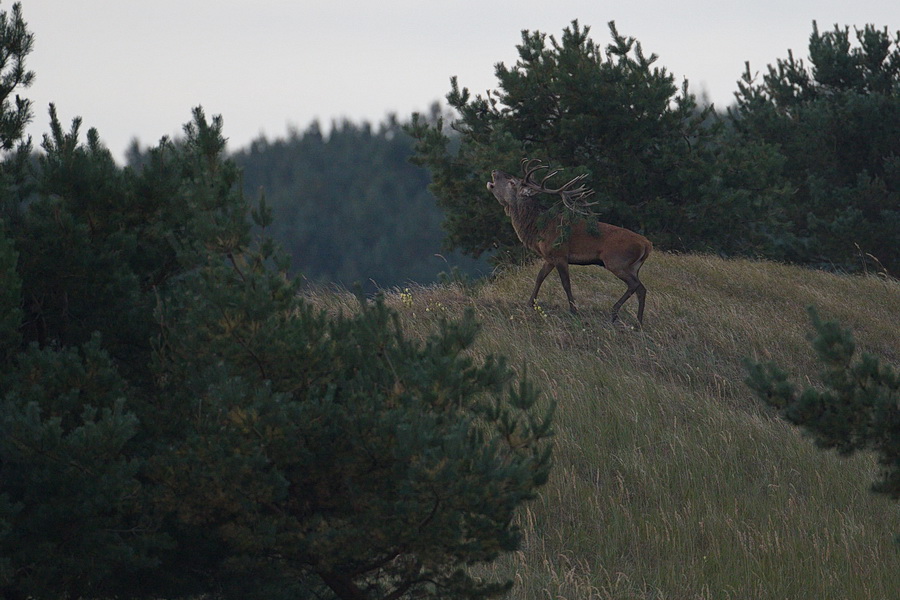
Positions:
(578, 241)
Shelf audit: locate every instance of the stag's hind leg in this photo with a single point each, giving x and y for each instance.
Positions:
(634, 286)
(642, 295)
(563, 270)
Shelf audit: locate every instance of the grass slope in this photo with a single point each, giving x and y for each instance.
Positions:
(671, 481)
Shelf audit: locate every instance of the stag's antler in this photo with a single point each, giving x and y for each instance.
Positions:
(530, 170)
(572, 197)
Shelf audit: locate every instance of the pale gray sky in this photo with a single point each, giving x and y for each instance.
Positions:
(135, 68)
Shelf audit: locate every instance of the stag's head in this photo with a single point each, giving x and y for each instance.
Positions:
(509, 189)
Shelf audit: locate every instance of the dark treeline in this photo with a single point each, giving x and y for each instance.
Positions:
(349, 207)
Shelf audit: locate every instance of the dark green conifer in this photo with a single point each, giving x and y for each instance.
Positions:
(836, 124)
(653, 156)
(177, 422)
(857, 406)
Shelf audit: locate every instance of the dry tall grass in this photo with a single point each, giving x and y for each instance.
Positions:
(671, 481)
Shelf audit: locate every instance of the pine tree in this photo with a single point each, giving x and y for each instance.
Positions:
(176, 421)
(610, 112)
(92, 251)
(836, 124)
(857, 407)
(71, 514)
(331, 455)
(16, 43)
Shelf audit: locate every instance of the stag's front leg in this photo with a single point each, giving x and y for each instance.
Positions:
(542, 274)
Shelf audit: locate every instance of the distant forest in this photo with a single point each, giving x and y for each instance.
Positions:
(350, 207)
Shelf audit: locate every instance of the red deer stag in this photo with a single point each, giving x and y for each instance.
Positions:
(621, 251)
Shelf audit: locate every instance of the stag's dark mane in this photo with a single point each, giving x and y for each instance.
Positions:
(525, 217)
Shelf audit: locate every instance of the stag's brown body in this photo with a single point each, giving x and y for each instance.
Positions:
(619, 250)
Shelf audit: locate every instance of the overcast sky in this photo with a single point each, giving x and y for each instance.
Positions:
(135, 68)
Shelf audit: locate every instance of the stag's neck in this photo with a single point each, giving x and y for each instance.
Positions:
(525, 216)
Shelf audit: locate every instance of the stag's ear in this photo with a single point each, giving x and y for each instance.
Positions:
(527, 192)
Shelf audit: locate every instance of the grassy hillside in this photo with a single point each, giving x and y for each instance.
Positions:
(671, 481)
